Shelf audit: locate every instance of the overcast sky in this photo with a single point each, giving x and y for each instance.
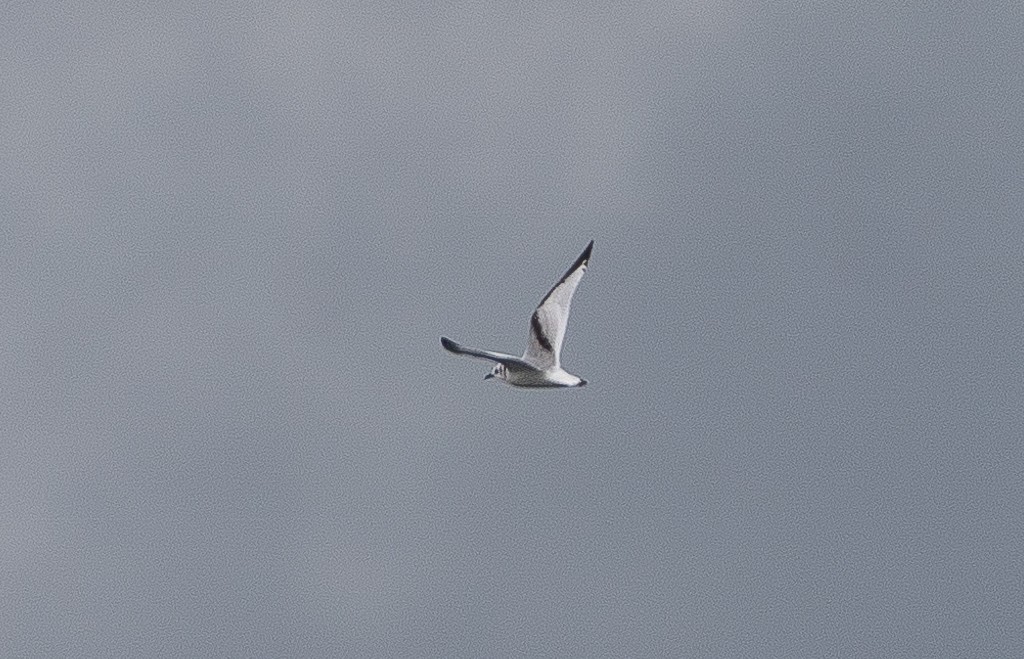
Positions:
(232, 233)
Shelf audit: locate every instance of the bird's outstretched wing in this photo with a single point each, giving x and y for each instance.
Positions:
(501, 358)
(547, 324)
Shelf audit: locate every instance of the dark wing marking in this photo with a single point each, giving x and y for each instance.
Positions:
(538, 332)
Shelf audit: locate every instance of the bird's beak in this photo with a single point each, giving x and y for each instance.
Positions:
(489, 376)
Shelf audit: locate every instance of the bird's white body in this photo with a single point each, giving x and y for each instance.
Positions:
(531, 376)
(540, 365)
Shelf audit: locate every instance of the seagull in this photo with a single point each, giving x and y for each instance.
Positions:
(539, 366)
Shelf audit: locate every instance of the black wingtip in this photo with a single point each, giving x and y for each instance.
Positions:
(582, 259)
(585, 256)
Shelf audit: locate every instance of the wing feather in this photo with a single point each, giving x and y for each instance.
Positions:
(458, 349)
(549, 319)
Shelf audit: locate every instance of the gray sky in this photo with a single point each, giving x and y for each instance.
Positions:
(231, 236)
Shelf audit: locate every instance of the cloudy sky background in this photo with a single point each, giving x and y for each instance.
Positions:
(231, 235)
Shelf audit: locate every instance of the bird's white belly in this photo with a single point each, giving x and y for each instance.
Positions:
(523, 377)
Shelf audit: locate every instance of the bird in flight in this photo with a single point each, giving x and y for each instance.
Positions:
(539, 366)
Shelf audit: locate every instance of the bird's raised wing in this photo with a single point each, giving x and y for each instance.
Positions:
(547, 324)
(501, 358)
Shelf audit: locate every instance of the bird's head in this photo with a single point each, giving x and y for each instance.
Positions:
(497, 372)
